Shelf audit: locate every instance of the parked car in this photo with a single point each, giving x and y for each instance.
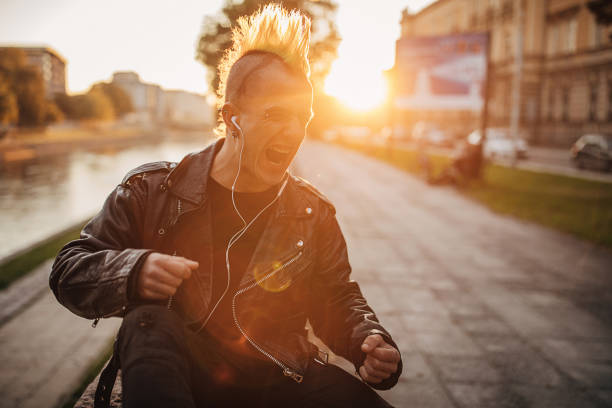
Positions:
(593, 151)
(359, 134)
(500, 143)
(431, 134)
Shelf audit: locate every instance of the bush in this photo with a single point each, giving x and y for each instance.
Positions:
(121, 101)
(92, 105)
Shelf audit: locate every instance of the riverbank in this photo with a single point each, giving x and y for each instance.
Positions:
(24, 145)
(27, 259)
(30, 145)
(580, 207)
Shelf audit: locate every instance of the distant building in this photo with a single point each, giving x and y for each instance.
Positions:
(147, 99)
(187, 109)
(566, 85)
(154, 105)
(52, 66)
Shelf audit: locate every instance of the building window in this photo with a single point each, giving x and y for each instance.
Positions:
(565, 112)
(593, 102)
(553, 39)
(596, 34)
(508, 42)
(572, 29)
(551, 103)
(609, 99)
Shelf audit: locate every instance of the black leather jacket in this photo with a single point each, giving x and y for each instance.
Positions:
(299, 270)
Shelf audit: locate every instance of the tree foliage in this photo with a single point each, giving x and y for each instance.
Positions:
(9, 110)
(22, 92)
(602, 9)
(93, 105)
(120, 100)
(103, 101)
(215, 36)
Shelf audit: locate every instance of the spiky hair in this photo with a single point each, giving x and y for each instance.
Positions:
(272, 29)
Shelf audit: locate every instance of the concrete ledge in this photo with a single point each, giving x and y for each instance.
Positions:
(87, 398)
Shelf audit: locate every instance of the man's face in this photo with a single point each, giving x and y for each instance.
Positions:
(274, 112)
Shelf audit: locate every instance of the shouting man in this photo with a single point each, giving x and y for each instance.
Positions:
(217, 263)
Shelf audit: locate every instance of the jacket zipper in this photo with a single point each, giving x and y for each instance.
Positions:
(114, 313)
(179, 210)
(287, 371)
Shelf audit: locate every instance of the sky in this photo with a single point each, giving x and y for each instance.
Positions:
(157, 39)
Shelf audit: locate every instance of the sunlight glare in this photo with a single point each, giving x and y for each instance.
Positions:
(358, 89)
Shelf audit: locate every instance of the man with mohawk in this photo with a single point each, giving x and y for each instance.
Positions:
(217, 263)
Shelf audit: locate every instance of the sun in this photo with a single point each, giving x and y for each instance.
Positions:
(360, 88)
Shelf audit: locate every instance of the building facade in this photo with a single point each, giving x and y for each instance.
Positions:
(187, 109)
(566, 76)
(154, 105)
(147, 99)
(52, 66)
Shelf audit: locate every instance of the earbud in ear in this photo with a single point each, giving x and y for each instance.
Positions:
(234, 118)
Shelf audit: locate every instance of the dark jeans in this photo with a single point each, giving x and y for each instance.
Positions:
(167, 365)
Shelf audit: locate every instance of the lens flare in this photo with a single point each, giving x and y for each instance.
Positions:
(276, 282)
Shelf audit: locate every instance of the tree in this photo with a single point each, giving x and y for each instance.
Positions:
(216, 34)
(94, 105)
(9, 110)
(29, 88)
(99, 105)
(23, 84)
(602, 10)
(121, 101)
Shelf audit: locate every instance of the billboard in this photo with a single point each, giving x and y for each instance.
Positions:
(442, 72)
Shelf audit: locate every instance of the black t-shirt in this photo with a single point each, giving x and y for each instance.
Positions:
(225, 223)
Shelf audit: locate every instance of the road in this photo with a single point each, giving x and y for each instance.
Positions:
(540, 159)
(557, 161)
(488, 311)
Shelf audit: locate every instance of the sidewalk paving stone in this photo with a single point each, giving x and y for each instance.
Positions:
(486, 396)
(488, 310)
(538, 397)
(465, 369)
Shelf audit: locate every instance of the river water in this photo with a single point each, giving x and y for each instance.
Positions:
(42, 197)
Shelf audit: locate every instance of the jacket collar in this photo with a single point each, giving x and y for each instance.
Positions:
(189, 178)
(188, 181)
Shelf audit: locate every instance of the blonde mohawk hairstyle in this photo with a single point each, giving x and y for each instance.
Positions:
(271, 29)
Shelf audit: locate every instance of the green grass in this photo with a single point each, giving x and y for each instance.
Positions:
(93, 370)
(577, 206)
(26, 262)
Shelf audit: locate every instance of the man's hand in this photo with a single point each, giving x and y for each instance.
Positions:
(381, 360)
(162, 274)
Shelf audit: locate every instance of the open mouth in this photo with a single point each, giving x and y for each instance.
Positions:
(277, 154)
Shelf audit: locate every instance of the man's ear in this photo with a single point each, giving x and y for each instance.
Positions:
(227, 112)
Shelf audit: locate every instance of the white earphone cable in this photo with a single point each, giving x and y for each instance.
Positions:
(245, 226)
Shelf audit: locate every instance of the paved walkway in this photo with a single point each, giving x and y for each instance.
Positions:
(488, 311)
(45, 350)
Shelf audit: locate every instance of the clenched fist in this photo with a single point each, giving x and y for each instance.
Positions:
(381, 359)
(161, 275)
